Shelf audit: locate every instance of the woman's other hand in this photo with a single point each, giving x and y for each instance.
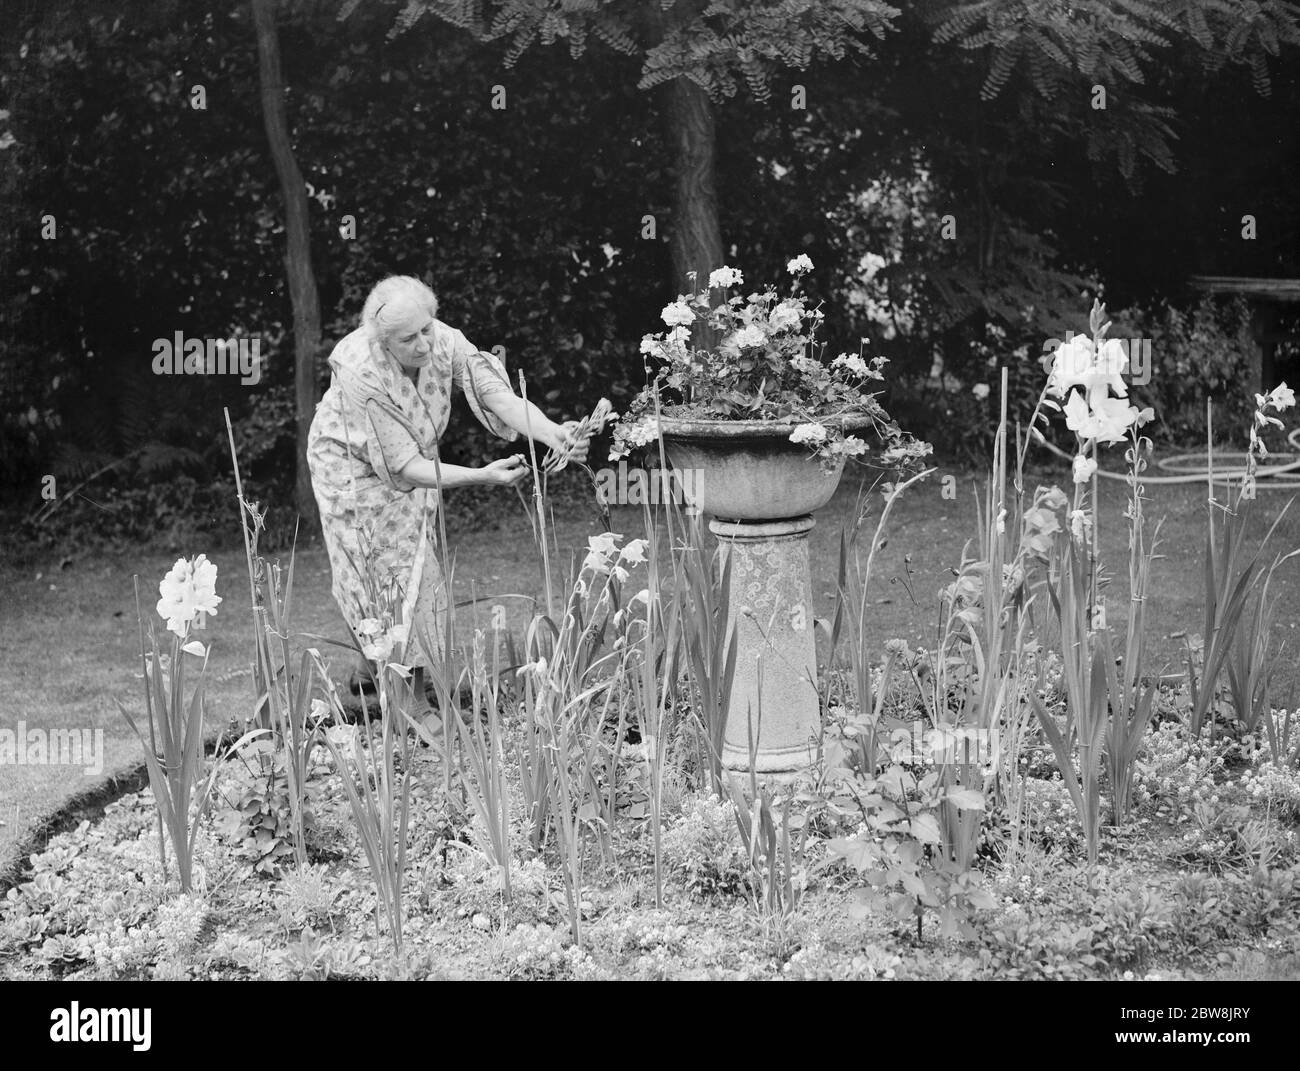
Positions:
(505, 471)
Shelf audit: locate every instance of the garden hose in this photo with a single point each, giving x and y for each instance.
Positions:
(1194, 467)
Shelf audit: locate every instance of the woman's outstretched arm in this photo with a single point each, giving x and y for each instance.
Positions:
(525, 417)
(501, 473)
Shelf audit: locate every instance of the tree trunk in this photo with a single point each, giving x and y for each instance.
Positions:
(302, 282)
(695, 235)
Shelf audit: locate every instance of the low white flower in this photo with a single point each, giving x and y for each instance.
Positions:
(604, 544)
(634, 552)
(1084, 467)
(725, 277)
(808, 433)
(1080, 525)
(799, 265)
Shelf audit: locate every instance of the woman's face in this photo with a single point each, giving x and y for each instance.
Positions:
(411, 344)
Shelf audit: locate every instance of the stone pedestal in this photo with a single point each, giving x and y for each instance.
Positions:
(771, 609)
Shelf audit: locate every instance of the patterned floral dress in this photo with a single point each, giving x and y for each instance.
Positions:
(380, 529)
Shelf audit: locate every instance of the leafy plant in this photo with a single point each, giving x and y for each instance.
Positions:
(768, 365)
(173, 751)
(263, 817)
(1232, 573)
(377, 793)
(899, 854)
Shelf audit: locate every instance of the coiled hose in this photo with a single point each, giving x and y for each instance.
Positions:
(1194, 467)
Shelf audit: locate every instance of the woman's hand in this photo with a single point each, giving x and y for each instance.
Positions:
(566, 439)
(505, 471)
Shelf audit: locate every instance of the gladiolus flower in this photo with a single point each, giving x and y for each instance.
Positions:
(188, 590)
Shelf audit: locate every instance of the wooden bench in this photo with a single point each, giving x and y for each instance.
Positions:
(1266, 298)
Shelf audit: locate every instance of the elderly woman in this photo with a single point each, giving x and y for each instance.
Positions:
(372, 452)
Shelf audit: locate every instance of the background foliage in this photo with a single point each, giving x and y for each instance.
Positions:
(528, 220)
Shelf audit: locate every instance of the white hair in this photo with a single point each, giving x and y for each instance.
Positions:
(394, 301)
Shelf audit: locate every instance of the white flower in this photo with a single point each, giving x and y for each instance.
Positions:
(319, 709)
(650, 345)
(379, 649)
(785, 315)
(188, 589)
(634, 552)
(749, 335)
(1105, 419)
(808, 433)
(370, 626)
(643, 432)
(678, 314)
(870, 264)
(1080, 525)
(605, 543)
(980, 390)
(1077, 364)
(799, 265)
(850, 446)
(1084, 467)
(642, 596)
(725, 277)
(851, 363)
(536, 670)
(1281, 397)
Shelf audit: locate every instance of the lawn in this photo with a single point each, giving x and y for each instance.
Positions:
(70, 632)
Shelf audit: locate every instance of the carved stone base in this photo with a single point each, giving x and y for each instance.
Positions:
(774, 693)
